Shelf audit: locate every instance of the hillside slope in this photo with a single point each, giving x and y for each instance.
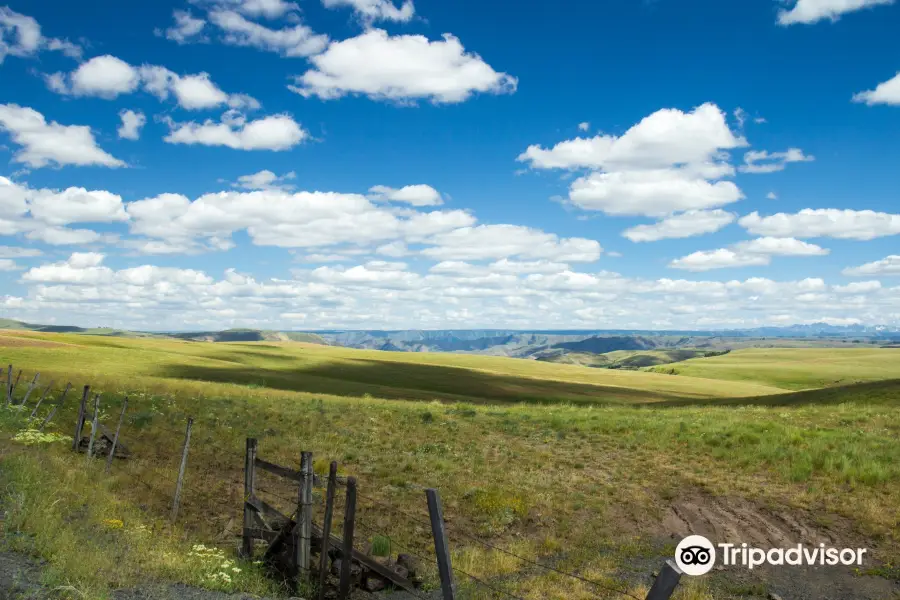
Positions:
(792, 368)
(327, 369)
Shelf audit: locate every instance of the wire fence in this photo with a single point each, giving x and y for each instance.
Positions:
(376, 520)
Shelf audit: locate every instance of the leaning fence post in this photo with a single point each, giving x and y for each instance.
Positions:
(55, 408)
(347, 551)
(94, 424)
(665, 584)
(9, 386)
(303, 531)
(112, 451)
(79, 424)
(12, 388)
(41, 399)
(441, 548)
(30, 389)
(249, 486)
(176, 502)
(326, 528)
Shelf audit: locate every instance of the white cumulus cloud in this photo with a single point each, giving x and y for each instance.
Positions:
(889, 265)
(887, 92)
(132, 122)
(812, 11)
(401, 68)
(416, 195)
(376, 10)
(824, 222)
(108, 77)
(762, 161)
(265, 180)
(20, 36)
(274, 132)
(44, 143)
(682, 225)
(291, 41)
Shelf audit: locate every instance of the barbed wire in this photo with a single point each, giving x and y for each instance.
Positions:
(487, 585)
(472, 538)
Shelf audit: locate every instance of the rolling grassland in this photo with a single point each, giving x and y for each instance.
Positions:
(594, 471)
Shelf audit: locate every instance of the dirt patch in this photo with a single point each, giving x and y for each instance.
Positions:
(9, 341)
(735, 520)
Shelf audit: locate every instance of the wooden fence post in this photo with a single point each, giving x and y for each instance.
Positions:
(9, 386)
(112, 451)
(249, 487)
(347, 551)
(30, 389)
(665, 584)
(12, 388)
(41, 399)
(326, 527)
(303, 530)
(55, 408)
(176, 502)
(441, 548)
(95, 423)
(79, 424)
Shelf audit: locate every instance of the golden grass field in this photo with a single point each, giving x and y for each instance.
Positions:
(591, 470)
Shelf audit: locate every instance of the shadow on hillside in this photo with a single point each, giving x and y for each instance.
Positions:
(880, 393)
(406, 381)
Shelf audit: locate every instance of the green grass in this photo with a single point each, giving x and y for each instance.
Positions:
(795, 368)
(570, 465)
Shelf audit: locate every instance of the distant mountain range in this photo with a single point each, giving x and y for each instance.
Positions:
(618, 348)
(547, 344)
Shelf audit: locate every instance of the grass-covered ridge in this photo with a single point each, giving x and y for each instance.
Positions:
(794, 368)
(575, 466)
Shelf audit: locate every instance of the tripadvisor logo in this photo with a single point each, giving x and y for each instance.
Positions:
(696, 555)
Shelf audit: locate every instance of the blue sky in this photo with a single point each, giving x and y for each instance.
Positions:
(368, 164)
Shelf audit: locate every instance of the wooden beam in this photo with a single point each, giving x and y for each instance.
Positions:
(79, 423)
(665, 584)
(249, 485)
(326, 528)
(257, 533)
(269, 511)
(441, 548)
(366, 561)
(112, 450)
(287, 473)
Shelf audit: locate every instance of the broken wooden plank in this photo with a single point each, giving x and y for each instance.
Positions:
(258, 533)
(367, 561)
(277, 518)
(292, 474)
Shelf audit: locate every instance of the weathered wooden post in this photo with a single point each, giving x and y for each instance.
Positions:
(12, 388)
(112, 451)
(303, 531)
(347, 550)
(249, 487)
(9, 386)
(55, 408)
(176, 502)
(326, 527)
(441, 547)
(79, 424)
(666, 582)
(41, 399)
(95, 423)
(30, 389)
